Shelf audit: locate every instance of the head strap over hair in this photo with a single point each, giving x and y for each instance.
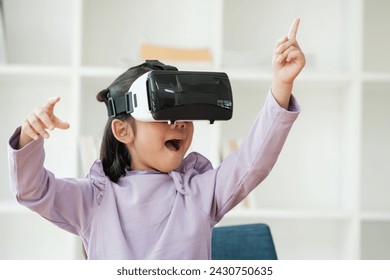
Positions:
(119, 104)
(157, 65)
(123, 103)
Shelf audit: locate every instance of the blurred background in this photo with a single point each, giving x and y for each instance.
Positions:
(328, 196)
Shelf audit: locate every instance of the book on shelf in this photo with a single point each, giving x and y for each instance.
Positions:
(3, 35)
(191, 58)
(151, 51)
(187, 58)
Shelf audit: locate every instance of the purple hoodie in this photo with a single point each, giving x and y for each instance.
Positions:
(148, 214)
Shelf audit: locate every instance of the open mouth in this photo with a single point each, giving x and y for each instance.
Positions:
(173, 144)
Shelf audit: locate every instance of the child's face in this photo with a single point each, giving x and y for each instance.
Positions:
(159, 145)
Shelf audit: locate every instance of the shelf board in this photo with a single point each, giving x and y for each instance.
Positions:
(375, 216)
(13, 207)
(248, 74)
(262, 75)
(234, 74)
(376, 77)
(288, 214)
(340, 77)
(101, 71)
(37, 70)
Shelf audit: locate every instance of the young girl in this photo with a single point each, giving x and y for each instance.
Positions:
(144, 199)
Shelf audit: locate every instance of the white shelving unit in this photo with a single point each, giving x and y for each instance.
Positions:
(327, 197)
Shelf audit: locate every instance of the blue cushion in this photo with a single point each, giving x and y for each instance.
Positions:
(243, 242)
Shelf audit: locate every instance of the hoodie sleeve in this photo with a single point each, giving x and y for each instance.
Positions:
(68, 203)
(218, 190)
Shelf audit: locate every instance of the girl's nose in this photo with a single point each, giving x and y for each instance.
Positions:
(180, 125)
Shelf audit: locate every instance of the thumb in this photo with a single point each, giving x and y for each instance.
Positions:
(58, 123)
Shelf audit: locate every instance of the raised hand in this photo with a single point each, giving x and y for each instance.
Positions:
(287, 62)
(39, 121)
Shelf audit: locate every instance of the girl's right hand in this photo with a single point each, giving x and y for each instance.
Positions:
(39, 121)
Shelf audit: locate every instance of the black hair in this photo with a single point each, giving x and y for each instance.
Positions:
(114, 154)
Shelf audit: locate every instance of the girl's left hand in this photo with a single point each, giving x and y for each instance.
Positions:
(288, 59)
(287, 62)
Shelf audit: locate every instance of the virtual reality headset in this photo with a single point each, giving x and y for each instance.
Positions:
(172, 95)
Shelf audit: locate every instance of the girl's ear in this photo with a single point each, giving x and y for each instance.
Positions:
(122, 131)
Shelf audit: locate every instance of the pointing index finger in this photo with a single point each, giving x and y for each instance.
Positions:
(52, 101)
(292, 33)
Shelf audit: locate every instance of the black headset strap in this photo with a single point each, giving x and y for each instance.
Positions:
(123, 103)
(120, 104)
(157, 65)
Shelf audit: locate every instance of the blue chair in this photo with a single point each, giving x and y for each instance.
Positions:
(243, 242)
